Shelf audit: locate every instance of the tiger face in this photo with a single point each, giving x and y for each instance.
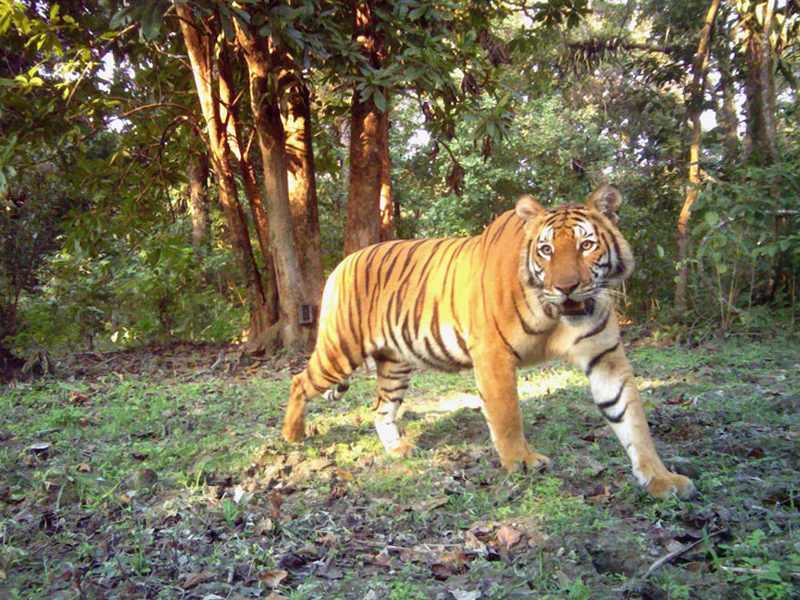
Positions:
(574, 253)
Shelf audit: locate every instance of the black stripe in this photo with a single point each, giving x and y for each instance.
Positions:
(525, 327)
(368, 265)
(528, 264)
(614, 400)
(598, 357)
(328, 376)
(461, 343)
(397, 254)
(319, 389)
(418, 306)
(597, 329)
(505, 341)
(409, 256)
(620, 264)
(437, 336)
(347, 352)
(618, 418)
(501, 227)
(407, 339)
(397, 388)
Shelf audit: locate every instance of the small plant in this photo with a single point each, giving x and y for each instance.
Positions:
(231, 512)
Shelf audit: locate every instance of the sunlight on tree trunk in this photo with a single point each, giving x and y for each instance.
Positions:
(200, 51)
(271, 142)
(695, 108)
(230, 115)
(303, 188)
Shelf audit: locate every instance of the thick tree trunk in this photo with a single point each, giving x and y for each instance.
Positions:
(229, 114)
(363, 225)
(363, 199)
(386, 204)
(303, 188)
(197, 173)
(760, 90)
(271, 142)
(695, 108)
(199, 49)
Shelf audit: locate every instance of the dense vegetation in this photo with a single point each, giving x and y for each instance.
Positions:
(102, 141)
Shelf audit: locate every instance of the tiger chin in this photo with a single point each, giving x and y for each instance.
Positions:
(536, 284)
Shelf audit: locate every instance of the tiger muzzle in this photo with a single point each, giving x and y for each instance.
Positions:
(575, 308)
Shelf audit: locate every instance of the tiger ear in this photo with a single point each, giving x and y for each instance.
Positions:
(527, 207)
(605, 199)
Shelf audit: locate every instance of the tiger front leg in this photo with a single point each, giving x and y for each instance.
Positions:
(496, 375)
(617, 397)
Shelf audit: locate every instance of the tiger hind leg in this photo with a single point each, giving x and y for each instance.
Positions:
(315, 380)
(393, 380)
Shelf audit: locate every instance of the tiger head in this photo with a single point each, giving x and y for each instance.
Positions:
(574, 253)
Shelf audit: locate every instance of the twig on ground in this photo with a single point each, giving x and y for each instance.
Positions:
(679, 552)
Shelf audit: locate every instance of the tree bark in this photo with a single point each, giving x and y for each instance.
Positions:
(760, 90)
(386, 204)
(263, 76)
(197, 173)
(200, 51)
(695, 108)
(728, 116)
(230, 117)
(363, 225)
(303, 188)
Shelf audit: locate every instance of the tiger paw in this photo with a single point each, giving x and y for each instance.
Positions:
(531, 462)
(665, 485)
(403, 449)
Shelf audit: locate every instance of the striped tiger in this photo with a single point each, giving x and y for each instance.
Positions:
(536, 284)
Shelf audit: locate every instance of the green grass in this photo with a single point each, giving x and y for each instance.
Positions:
(161, 488)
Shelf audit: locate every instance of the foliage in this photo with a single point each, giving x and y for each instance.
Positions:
(487, 100)
(744, 228)
(133, 292)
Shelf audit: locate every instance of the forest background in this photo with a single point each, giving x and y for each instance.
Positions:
(193, 170)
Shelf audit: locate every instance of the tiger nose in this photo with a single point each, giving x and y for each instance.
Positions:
(567, 289)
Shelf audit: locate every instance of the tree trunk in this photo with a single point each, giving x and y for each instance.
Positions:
(728, 116)
(271, 142)
(760, 89)
(197, 173)
(386, 207)
(230, 116)
(199, 49)
(303, 188)
(363, 225)
(695, 108)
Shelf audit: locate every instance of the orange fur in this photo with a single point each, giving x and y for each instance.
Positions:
(533, 286)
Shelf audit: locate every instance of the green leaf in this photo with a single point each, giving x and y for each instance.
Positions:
(711, 218)
(380, 100)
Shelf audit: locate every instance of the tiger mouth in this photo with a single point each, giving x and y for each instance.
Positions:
(573, 308)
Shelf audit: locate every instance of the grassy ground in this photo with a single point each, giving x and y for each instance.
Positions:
(174, 483)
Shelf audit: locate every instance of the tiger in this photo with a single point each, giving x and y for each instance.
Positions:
(537, 283)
